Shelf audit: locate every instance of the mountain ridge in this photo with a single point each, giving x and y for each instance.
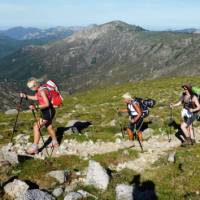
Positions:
(110, 53)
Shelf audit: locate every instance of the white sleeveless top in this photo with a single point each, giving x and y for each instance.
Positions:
(132, 110)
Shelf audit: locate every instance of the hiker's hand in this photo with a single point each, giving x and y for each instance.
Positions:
(171, 105)
(32, 107)
(133, 121)
(22, 95)
(191, 110)
(19, 106)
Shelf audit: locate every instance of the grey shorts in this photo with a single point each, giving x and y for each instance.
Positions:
(190, 120)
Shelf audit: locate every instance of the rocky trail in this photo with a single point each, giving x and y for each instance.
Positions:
(154, 148)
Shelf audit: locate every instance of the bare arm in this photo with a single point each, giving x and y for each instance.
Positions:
(123, 110)
(196, 102)
(176, 104)
(138, 110)
(46, 101)
(31, 97)
(23, 95)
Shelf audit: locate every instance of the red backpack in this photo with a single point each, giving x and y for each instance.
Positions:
(54, 93)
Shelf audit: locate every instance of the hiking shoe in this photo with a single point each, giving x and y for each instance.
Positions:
(33, 149)
(193, 141)
(186, 142)
(54, 143)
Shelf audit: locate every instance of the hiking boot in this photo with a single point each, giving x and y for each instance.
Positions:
(186, 142)
(33, 149)
(54, 143)
(193, 141)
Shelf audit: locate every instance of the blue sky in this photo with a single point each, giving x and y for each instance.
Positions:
(150, 14)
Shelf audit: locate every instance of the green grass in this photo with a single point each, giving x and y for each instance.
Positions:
(115, 158)
(99, 106)
(180, 179)
(36, 170)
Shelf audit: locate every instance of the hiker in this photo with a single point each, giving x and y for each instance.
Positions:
(135, 116)
(191, 106)
(47, 114)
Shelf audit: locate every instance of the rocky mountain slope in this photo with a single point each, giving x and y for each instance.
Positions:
(31, 33)
(111, 53)
(8, 45)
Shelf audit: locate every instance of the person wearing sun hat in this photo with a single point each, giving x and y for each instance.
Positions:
(135, 116)
(189, 112)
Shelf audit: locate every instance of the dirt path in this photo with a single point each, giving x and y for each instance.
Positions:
(154, 148)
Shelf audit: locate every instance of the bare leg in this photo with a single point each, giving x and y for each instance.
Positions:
(51, 132)
(130, 134)
(184, 129)
(36, 130)
(191, 131)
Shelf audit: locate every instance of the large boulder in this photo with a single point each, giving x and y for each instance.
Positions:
(80, 194)
(58, 175)
(124, 192)
(73, 196)
(37, 194)
(16, 189)
(97, 176)
(172, 157)
(11, 112)
(8, 155)
(57, 191)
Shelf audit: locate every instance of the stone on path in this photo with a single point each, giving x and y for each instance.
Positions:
(16, 189)
(124, 192)
(97, 176)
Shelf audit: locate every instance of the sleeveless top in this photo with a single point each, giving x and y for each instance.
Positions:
(40, 98)
(187, 102)
(131, 109)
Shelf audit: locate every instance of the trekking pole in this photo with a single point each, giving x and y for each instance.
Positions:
(120, 123)
(15, 124)
(137, 131)
(193, 132)
(38, 125)
(122, 129)
(170, 127)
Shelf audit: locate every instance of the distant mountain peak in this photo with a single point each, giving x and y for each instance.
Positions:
(121, 24)
(100, 30)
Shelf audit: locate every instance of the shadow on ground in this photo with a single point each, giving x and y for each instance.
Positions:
(143, 190)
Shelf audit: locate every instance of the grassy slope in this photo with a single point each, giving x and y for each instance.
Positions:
(99, 106)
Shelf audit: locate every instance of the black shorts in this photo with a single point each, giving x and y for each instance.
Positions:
(136, 126)
(48, 114)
